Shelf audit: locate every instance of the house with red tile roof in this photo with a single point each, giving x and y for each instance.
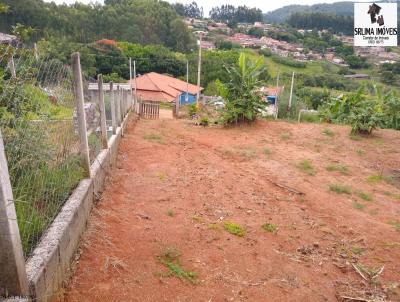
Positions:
(159, 87)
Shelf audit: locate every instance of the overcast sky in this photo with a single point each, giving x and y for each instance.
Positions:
(264, 5)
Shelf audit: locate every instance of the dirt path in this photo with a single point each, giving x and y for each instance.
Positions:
(164, 213)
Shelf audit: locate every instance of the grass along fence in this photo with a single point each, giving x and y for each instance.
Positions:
(52, 131)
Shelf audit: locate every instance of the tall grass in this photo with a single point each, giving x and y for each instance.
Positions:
(44, 168)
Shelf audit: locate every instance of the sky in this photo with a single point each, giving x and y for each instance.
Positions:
(264, 5)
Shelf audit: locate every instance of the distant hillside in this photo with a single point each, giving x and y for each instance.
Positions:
(282, 14)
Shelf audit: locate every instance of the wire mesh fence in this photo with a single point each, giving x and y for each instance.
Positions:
(40, 137)
(39, 125)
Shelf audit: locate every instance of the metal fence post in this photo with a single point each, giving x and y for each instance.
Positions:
(80, 111)
(113, 111)
(13, 279)
(102, 107)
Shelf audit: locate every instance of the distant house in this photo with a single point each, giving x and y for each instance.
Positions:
(208, 45)
(270, 93)
(357, 76)
(158, 87)
(6, 39)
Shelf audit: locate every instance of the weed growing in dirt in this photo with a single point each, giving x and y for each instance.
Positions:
(360, 152)
(267, 151)
(390, 194)
(376, 178)
(170, 258)
(328, 132)
(357, 250)
(306, 166)
(391, 244)
(247, 153)
(154, 138)
(285, 135)
(395, 224)
(369, 272)
(161, 175)
(358, 206)
(269, 227)
(197, 219)
(364, 196)
(340, 189)
(234, 228)
(339, 168)
(214, 226)
(171, 213)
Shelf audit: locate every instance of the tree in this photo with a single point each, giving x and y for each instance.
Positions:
(138, 21)
(255, 31)
(23, 32)
(242, 102)
(313, 98)
(180, 38)
(232, 15)
(3, 8)
(356, 62)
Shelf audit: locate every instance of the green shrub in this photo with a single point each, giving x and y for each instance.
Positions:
(193, 109)
(365, 117)
(269, 227)
(204, 121)
(266, 52)
(306, 166)
(234, 228)
(340, 189)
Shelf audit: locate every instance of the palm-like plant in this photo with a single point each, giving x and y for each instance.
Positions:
(243, 104)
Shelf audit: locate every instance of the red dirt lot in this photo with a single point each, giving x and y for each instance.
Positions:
(163, 215)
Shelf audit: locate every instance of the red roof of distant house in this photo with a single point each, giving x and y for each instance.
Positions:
(271, 90)
(158, 87)
(107, 42)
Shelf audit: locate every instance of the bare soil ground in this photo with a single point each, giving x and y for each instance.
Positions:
(329, 204)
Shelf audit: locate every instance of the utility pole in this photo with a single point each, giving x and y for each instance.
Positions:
(291, 93)
(199, 70)
(277, 92)
(130, 76)
(134, 76)
(187, 81)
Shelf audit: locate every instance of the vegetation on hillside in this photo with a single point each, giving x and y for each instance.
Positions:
(315, 20)
(138, 21)
(233, 15)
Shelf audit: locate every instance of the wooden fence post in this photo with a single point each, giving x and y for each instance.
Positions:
(80, 111)
(102, 107)
(113, 111)
(13, 279)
